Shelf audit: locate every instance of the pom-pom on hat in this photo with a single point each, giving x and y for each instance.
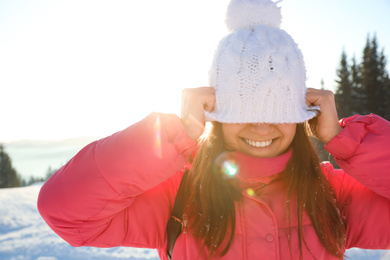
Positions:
(258, 71)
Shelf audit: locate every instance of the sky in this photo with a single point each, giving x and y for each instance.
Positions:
(71, 68)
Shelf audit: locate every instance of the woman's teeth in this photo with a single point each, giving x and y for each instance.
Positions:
(258, 143)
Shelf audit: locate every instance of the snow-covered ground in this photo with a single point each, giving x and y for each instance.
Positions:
(25, 236)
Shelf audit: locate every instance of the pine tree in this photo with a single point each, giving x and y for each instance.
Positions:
(8, 175)
(385, 107)
(374, 79)
(357, 95)
(50, 171)
(343, 93)
(387, 113)
(363, 88)
(322, 84)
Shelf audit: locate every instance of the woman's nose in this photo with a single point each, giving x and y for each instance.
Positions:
(261, 128)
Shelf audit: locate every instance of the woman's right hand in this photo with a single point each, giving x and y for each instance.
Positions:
(194, 102)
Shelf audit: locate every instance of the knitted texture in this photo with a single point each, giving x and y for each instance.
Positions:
(258, 71)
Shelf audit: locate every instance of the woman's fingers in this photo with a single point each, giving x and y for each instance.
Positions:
(326, 125)
(194, 102)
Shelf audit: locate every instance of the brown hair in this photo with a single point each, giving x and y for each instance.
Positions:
(211, 210)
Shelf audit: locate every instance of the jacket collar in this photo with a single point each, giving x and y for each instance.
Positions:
(257, 169)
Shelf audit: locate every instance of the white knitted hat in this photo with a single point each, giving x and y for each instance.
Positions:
(258, 71)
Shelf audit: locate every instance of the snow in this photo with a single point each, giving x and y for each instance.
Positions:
(25, 236)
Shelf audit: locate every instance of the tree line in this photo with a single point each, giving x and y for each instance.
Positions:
(364, 87)
(9, 177)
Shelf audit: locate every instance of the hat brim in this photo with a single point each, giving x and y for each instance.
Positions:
(307, 114)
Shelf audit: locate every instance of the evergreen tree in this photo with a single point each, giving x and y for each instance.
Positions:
(343, 93)
(385, 106)
(374, 79)
(363, 88)
(322, 84)
(50, 171)
(357, 95)
(33, 180)
(8, 175)
(23, 182)
(387, 113)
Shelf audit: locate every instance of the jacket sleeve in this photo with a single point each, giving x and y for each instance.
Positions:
(362, 150)
(119, 191)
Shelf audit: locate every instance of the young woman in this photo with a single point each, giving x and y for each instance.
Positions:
(254, 186)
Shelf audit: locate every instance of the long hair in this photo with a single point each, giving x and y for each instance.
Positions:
(211, 204)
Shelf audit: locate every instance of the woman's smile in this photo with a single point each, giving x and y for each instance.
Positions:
(259, 140)
(261, 144)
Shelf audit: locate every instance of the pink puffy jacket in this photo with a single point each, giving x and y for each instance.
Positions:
(119, 191)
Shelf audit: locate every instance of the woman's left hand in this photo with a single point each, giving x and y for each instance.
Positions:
(326, 125)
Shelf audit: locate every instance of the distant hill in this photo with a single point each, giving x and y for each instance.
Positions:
(65, 142)
(34, 157)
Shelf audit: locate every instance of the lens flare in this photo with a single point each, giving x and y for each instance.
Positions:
(157, 135)
(229, 168)
(250, 192)
(226, 165)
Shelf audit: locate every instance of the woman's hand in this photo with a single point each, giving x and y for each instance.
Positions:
(326, 125)
(193, 103)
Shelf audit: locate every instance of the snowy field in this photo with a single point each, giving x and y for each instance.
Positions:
(25, 236)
